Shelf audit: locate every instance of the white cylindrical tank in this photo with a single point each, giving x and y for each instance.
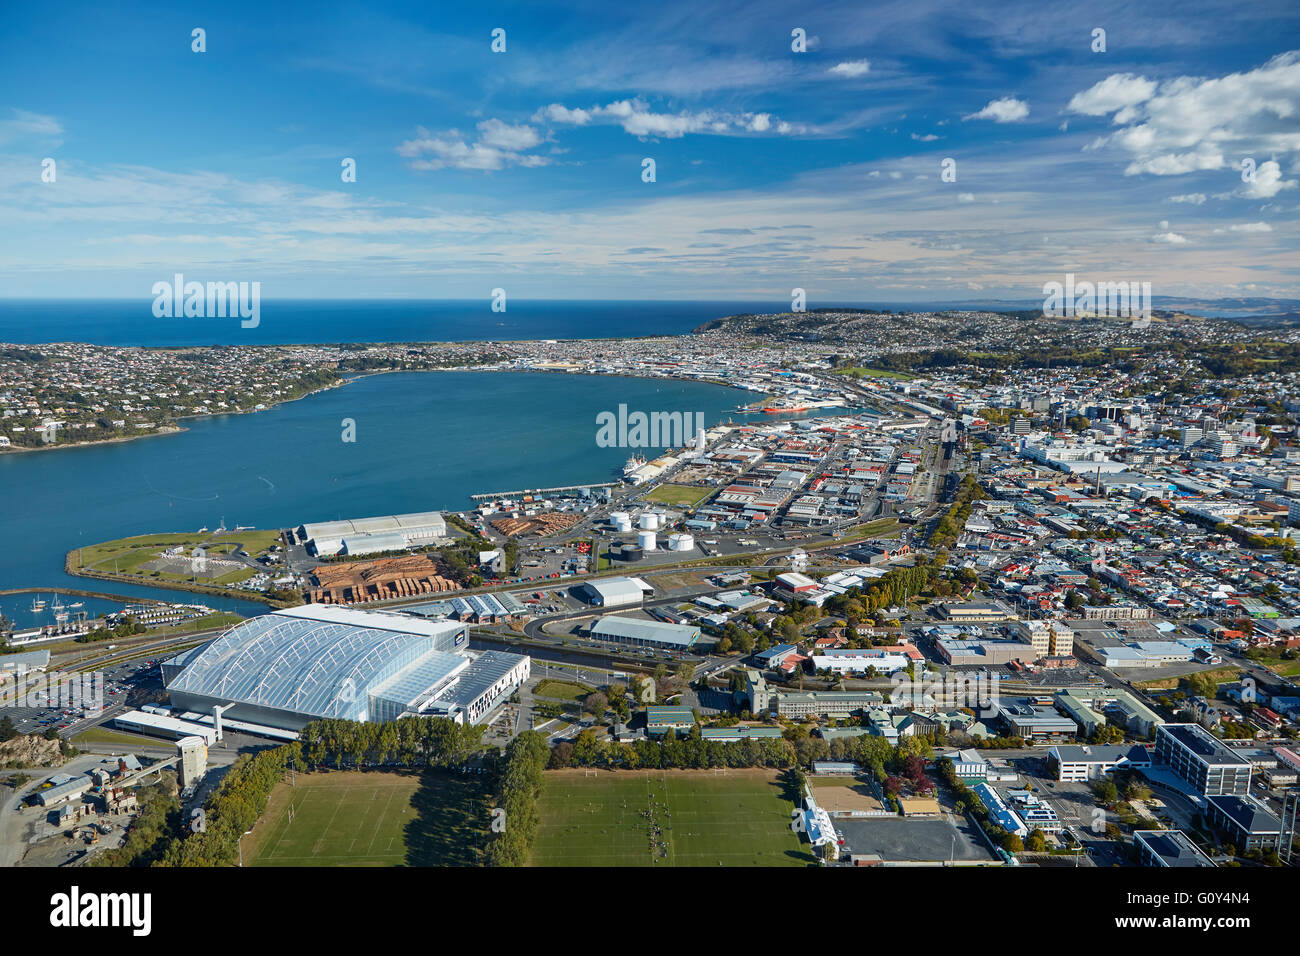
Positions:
(621, 520)
(646, 540)
(681, 542)
(649, 521)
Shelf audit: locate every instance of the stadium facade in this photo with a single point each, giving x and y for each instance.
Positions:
(292, 666)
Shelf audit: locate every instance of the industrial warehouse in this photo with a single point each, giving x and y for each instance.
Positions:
(642, 633)
(292, 666)
(374, 535)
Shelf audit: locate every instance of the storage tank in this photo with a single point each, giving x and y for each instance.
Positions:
(646, 540)
(681, 542)
(621, 520)
(629, 552)
(649, 521)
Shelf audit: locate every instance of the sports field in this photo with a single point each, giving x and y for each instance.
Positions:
(353, 818)
(683, 496)
(666, 818)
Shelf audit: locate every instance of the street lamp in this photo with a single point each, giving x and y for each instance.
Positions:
(240, 841)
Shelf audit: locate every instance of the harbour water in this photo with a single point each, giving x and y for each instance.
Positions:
(424, 440)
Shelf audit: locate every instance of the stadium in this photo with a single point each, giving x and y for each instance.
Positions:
(292, 666)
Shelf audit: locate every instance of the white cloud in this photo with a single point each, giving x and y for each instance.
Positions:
(559, 113)
(1196, 199)
(1006, 110)
(1191, 124)
(927, 138)
(965, 197)
(1268, 182)
(1117, 91)
(514, 139)
(851, 68)
(1166, 236)
(499, 145)
(1249, 227)
(637, 118)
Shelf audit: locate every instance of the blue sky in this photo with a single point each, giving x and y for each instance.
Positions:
(774, 169)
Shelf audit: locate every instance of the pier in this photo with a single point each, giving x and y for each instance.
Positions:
(539, 491)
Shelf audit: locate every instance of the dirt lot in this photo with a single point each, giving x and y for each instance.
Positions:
(843, 795)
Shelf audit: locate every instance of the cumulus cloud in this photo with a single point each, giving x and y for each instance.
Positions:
(1166, 236)
(1006, 110)
(558, 113)
(1268, 182)
(851, 68)
(1190, 124)
(637, 118)
(1112, 94)
(498, 145)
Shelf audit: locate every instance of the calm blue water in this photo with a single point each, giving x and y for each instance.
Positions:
(424, 441)
(131, 321)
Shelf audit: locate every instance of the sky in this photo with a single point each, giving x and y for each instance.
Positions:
(775, 168)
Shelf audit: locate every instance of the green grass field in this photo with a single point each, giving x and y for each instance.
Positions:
(126, 555)
(706, 818)
(683, 496)
(354, 818)
(561, 689)
(860, 372)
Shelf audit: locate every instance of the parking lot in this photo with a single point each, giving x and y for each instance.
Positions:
(128, 684)
(903, 840)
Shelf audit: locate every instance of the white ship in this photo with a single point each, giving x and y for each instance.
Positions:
(632, 465)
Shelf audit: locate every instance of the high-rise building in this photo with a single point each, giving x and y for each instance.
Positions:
(1204, 761)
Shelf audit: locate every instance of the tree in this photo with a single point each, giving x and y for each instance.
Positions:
(595, 703)
(7, 729)
(1106, 791)
(1012, 843)
(1037, 843)
(914, 768)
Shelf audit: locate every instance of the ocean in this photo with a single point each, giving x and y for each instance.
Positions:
(296, 322)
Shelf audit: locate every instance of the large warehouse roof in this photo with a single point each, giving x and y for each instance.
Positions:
(613, 591)
(407, 523)
(660, 632)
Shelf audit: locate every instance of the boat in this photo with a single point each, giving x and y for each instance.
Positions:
(38, 605)
(633, 463)
(77, 604)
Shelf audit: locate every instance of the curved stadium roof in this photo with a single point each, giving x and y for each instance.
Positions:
(323, 668)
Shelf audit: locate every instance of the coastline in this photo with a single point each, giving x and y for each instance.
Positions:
(178, 428)
(351, 377)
